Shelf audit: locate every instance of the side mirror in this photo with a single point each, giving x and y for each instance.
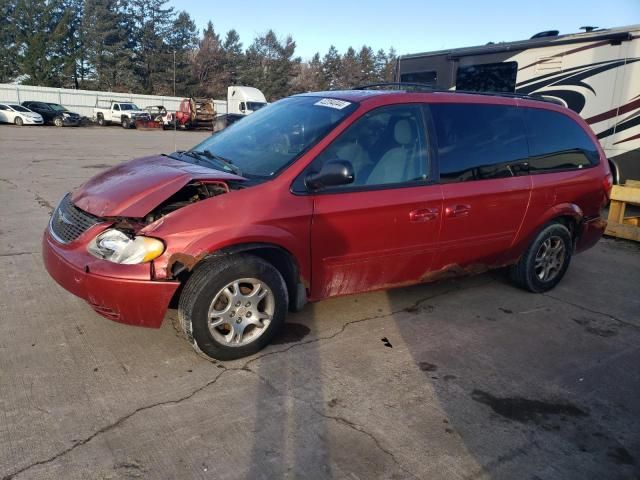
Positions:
(332, 174)
(242, 107)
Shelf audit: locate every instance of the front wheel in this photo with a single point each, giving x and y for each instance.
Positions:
(233, 307)
(18, 121)
(126, 123)
(546, 260)
(58, 122)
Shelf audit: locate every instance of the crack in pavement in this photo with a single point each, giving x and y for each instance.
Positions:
(244, 367)
(415, 305)
(341, 420)
(597, 312)
(41, 201)
(113, 425)
(15, 254)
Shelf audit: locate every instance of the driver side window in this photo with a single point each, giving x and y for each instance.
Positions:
(386, 146)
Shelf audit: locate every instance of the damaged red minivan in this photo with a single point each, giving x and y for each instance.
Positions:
(326, 194)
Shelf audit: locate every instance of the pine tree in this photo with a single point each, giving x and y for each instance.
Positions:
(182, 42)
(208, 63)
(108, 50)
(367, 63)
(271, 65)
(380, 65)
(350, 72)
(152, 23)
(9, 68)
(233, 57)
(331, 69)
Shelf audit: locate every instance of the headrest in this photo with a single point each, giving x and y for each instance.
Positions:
(402, 132)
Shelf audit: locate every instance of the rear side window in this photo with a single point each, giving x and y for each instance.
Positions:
(490, 77)
(557, 142)
(479, 142)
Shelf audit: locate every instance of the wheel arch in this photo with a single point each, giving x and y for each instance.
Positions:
(281, 258)
(568, 214)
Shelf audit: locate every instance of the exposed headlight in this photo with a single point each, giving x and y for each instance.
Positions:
(65, 114)
(116, 246)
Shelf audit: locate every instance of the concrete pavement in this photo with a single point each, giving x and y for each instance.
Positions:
(468, 378)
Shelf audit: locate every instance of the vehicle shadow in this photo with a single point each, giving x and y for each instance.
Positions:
(518, 381)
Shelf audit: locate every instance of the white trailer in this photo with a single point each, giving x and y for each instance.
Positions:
(595, 73)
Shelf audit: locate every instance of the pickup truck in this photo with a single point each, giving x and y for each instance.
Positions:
(124, 113)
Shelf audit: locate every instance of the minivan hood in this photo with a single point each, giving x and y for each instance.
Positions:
(135, 188)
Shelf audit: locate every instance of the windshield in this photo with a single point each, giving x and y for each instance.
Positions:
(128, 106)
(56, 107)
(253, 106)
(265, 142)
(18, 108)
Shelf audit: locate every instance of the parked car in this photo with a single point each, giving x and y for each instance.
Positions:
(326, 194)
(124, 113)
(19, 115)
(54, 113)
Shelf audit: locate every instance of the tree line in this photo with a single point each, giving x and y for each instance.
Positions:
(138, 46)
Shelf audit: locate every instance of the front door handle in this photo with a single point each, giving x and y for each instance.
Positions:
(457, 211)
(423, 214)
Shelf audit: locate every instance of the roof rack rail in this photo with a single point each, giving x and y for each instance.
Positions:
(524, 96)
(398, 85)
(431, 88)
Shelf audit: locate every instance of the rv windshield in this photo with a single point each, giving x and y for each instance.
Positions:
(265, 142)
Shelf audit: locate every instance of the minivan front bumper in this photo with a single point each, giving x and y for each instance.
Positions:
(131, 301)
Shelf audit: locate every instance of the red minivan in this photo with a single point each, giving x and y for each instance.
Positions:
(326, 194)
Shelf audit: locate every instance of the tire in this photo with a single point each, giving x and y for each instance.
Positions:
(101, 121)
(126, 122)
(58, 122)
(546, 260)
(18, 121)
(210, 296)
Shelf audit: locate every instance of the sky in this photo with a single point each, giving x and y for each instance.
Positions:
(409, 26)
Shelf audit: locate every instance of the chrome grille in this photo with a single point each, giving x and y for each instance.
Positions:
(69, 222)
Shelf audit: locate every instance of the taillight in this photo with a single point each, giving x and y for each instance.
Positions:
(607, 184)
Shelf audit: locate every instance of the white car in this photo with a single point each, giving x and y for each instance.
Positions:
(19, 115)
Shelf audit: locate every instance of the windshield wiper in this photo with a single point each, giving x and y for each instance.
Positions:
(225, 162)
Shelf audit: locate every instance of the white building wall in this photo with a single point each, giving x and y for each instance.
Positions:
(83, 101)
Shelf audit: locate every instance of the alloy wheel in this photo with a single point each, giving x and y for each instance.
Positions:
(550, 258)
(241, 312)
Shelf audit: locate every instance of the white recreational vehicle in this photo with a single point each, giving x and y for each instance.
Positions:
(596, 73)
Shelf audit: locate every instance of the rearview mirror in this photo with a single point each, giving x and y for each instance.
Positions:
(332, 174)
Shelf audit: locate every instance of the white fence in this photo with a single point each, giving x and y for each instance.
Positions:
(83, 101)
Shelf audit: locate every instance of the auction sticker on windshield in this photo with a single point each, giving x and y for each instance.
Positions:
(333, 103)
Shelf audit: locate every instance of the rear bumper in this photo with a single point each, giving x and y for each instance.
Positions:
(591, 230)
(131, 301)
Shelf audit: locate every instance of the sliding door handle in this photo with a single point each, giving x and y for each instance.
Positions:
(457, 211)
(423, 214)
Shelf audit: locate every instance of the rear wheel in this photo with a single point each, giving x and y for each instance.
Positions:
(233, 307)
(18, 121)
(546, 260)
(101, 121)
(58, 122)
